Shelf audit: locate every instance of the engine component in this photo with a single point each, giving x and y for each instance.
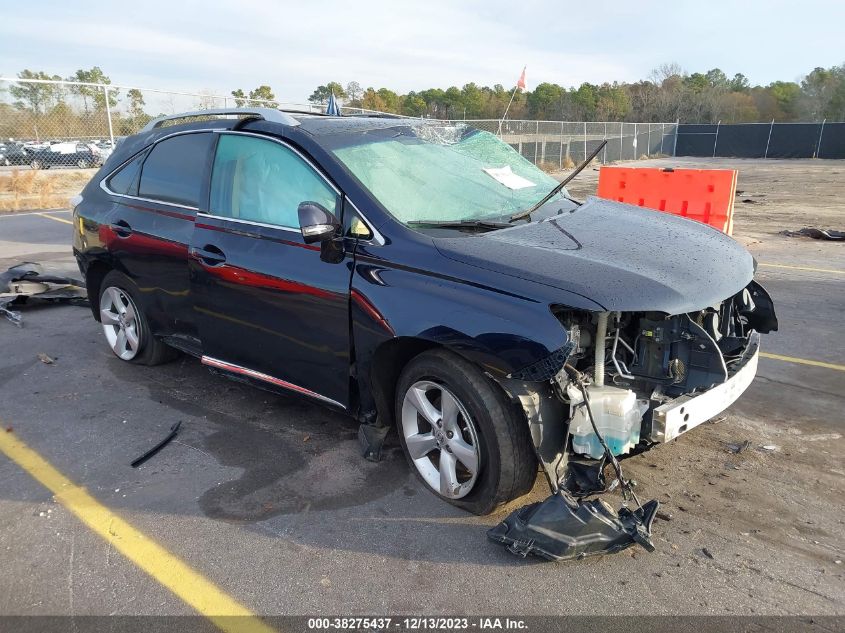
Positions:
(617, 414)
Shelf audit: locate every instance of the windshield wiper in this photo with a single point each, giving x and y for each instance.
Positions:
(556, 190)
(461, 224)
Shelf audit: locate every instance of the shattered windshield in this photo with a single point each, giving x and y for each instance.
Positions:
(443, 172)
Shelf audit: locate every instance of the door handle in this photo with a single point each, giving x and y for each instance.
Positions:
(210, 255)
(122, 228)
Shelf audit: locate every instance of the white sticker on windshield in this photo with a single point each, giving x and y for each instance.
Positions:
(509, 179)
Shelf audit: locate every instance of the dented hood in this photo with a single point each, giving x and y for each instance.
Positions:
(623, 257)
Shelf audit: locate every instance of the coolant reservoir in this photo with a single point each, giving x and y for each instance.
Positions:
(617, 413)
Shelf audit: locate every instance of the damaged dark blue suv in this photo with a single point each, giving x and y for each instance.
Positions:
(387, 267)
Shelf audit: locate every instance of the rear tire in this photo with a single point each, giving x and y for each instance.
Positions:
(125, 325)
(83, 164)
(36, 164)
(487, 427)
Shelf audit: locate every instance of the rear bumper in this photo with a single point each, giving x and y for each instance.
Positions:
(686, 412)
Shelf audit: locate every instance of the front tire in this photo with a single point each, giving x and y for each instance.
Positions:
(125, 325)
(463, 439)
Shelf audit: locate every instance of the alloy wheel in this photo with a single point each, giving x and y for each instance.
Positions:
(121, 324)
(441, 439)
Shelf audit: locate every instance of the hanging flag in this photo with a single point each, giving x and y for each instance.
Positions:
(521, 82)
(332, 108)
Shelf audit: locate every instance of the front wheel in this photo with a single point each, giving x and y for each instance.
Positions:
(83, 164)
(36, 164)
(462, 437)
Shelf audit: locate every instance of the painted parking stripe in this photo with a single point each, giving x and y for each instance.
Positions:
(802, 361)
(53, 217)
(15, 214)
(166, 568)
(807, 268)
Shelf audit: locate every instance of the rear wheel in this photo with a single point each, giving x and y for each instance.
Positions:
(83, 164)
(125, 325)
(463, 439)
(36, 164)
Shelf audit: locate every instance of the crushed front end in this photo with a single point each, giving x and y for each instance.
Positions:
(627, 382)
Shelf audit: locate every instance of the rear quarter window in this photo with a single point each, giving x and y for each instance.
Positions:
(174, 168)
(125, 180)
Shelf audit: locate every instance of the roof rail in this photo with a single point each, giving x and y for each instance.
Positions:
(267, 114)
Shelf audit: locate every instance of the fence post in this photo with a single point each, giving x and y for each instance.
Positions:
(621, 140)
(662, 136)
(648, 148)
(769, 140)
(560, 161)
(675, 143)
(585, 140)
(604, 151)
(716, 140)
(536, 142)
(819, 144)
(634, 144)
(108, 114)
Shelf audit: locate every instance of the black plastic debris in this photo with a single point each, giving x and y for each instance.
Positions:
(817, 234)
(155, 449)
(562, 529)
(27, 280)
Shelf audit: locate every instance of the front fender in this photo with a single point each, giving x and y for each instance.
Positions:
(499, 330)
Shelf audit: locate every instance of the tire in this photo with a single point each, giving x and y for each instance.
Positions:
(6, 162)
(485, 423)
(36, 164)
(83, 164)
(123, 322)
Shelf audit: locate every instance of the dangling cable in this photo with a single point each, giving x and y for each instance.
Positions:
(627, 490)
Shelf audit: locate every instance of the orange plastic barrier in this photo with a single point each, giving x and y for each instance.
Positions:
(706, 195)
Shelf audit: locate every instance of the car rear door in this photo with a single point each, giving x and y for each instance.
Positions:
(149, 228)
(269, 306)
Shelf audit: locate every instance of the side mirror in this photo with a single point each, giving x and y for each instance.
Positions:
(317, 223)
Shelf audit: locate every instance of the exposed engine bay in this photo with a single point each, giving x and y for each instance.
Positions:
(628, 381)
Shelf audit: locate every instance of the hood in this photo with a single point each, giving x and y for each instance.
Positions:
(623, 257)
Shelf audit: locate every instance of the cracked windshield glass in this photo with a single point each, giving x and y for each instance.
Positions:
(444, 173)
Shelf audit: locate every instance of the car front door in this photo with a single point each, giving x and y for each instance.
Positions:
(269, 306)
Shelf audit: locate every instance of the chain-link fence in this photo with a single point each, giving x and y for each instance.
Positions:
(559, 144)
(45, 123)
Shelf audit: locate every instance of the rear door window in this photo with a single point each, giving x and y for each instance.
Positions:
(173, 171)
(263, 181)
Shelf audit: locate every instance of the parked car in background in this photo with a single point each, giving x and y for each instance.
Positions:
(65, 155)
(13, 154)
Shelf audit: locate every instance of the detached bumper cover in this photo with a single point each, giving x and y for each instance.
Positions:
(686, 412)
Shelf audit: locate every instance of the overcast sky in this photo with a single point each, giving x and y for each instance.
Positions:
(294, 46)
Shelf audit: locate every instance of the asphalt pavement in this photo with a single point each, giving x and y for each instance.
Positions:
(267, 499)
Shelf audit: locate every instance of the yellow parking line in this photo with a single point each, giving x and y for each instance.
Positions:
(813, 270)
(52, 217)
(166, 568)
(803, 361)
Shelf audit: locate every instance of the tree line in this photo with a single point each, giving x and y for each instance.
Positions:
(668, 94)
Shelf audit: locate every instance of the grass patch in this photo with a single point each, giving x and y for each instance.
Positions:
(24, 189)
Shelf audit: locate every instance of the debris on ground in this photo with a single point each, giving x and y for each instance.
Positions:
(25, 281)
(770, 447)
(817, 234)
(707, 553)
(46, 359)
(739, 448)
(155, 449)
